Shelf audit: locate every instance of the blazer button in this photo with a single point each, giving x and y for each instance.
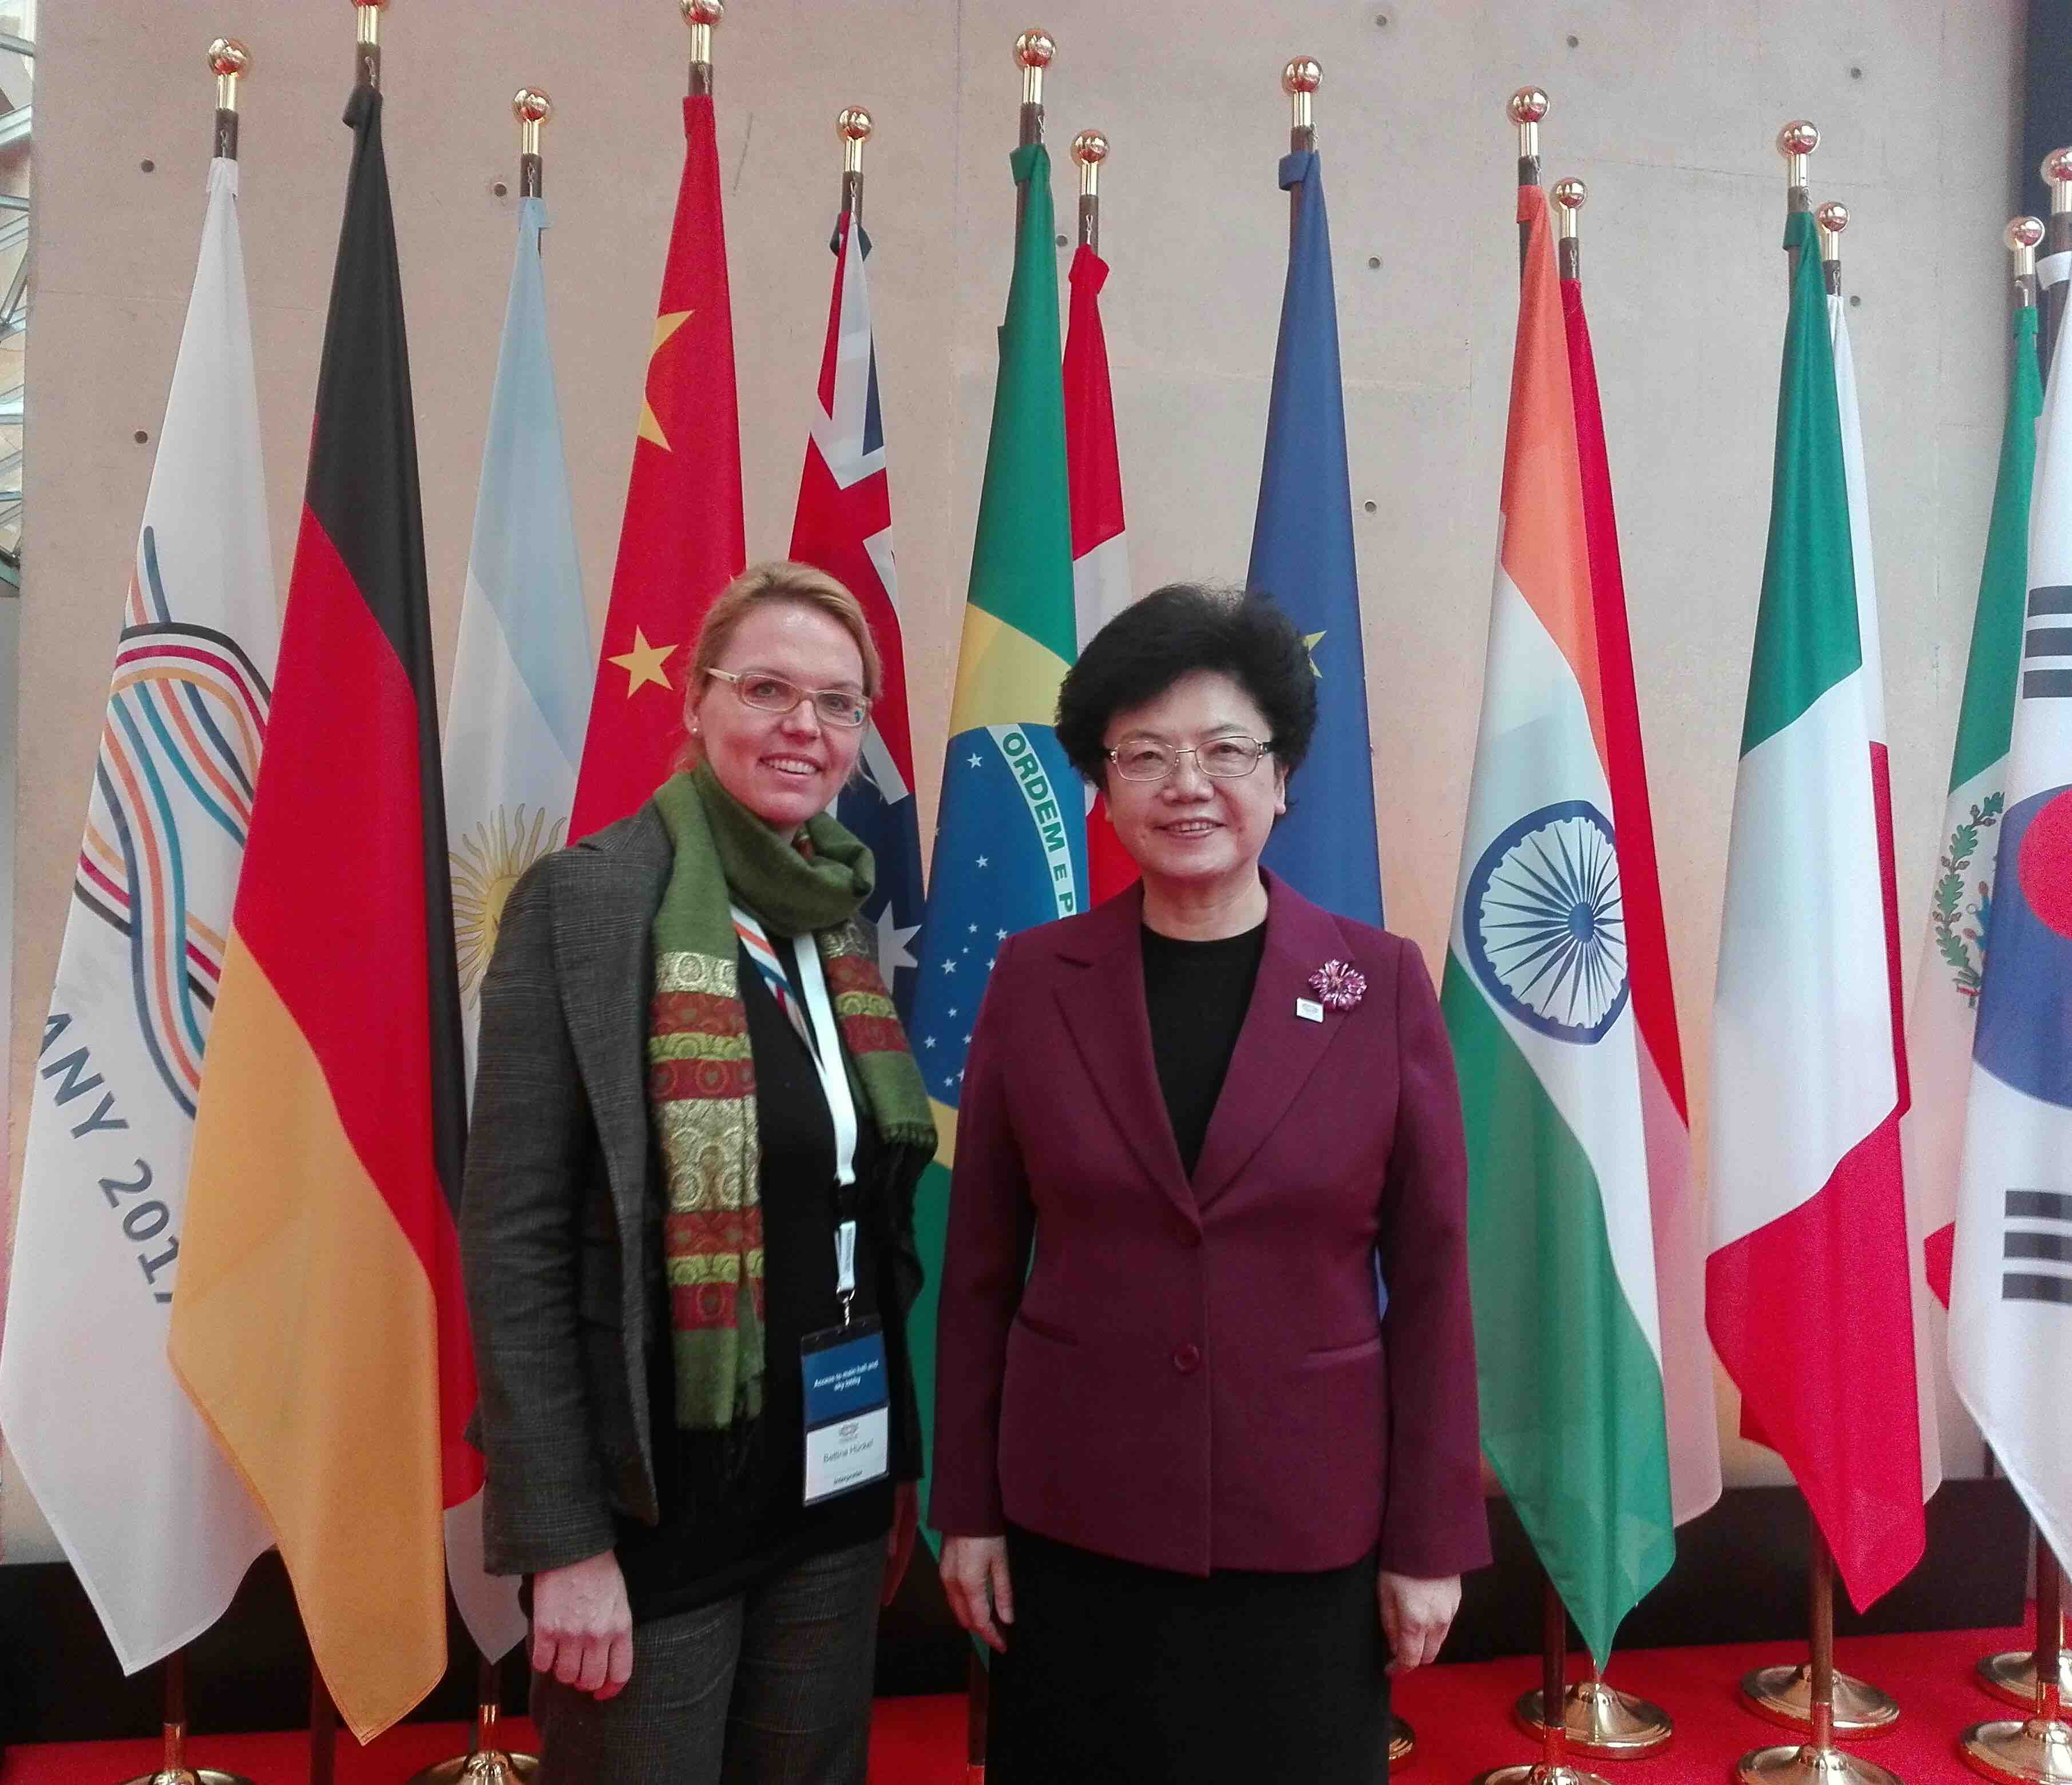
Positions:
(1187, 1359)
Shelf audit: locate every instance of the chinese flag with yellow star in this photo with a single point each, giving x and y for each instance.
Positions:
(682, 539)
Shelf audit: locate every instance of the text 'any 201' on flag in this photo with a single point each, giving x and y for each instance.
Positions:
(1010, 841)
(1538, 1000)
(1676, 1216)
(843, 525)
(1101, 548)
(1807, 1288)
(1302, 556)
(150, 1513)
(319, 1327)
(2011, 1277)
(514, 727)
(682, 539)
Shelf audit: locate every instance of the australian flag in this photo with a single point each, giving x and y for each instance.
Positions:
(844, 526)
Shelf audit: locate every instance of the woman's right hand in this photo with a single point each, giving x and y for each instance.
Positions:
(582, 1626)
(974, 1582)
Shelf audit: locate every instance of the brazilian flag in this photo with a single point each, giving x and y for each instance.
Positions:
(1010, 835)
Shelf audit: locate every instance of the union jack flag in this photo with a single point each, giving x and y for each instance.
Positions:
(844, 526)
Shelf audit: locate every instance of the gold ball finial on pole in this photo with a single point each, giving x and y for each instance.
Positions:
(230, 61)
(2023, 236)
(1089, 150)
(1034, 51)
(2057, 171)
(1300, 80)
(854, 126)
(1795, 141)
(2024, 233)
(1525, 108)
(1569, 196)
(532, 107)
(1833, 218)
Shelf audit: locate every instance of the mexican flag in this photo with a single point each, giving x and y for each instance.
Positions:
(1011, 834)
(1808, 1293)
(1537, 998)
(1953, 958)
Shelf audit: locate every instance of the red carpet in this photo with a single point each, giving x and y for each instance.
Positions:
(1461, 1715)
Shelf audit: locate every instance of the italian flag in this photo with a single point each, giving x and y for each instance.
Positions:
(1808, 1292)
(1537, 997)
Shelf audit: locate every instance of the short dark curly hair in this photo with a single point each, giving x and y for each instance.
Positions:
(1173, 632)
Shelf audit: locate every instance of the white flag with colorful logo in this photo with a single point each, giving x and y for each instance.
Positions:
(514, 727)
(151, 1517)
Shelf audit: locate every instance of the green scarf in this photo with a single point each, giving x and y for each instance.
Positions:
(701, 1073)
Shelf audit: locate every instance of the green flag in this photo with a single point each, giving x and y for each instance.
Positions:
(1010, 836)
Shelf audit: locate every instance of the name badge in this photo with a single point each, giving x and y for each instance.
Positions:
(1308, 1010)
(848, 1419)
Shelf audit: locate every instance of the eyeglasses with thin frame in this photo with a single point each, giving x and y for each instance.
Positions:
(1225, 758)
(768, 693)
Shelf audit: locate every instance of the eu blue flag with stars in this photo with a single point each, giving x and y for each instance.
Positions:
(1302, 556)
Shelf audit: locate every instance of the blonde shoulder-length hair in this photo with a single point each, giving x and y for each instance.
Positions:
(776, 579)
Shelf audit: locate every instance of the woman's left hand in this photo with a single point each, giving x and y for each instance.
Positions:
(1416, 1615)
(899, 1542)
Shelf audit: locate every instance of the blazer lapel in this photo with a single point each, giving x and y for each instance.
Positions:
(602, 938)
(1101, 995)
(1276, 1049)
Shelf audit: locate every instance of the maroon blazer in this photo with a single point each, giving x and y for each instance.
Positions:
(1194, 1374)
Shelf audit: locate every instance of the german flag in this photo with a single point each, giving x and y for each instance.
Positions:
(317, 1324)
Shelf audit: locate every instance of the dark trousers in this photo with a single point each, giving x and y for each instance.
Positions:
(771, 1687)
(1117, 1674)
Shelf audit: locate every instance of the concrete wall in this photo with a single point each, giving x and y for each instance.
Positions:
(1668, 111)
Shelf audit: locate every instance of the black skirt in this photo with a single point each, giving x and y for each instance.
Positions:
(1117, 1671)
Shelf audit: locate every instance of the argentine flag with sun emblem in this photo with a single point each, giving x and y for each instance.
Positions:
(1537, 1001)
(521, 697)
(514, 728)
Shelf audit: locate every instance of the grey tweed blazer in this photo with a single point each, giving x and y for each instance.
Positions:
(561, 1200)
(555, 1202)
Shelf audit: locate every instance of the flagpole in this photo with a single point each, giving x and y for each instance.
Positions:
(1569, 196)
(2056, 172)
(2036, 1750)
(1090, 149)
(230, 61)
(1300, 80)
(1833, 218)
(1527, 107)
(367, 48)
(2016, 1676)
(854, 126)
(702, 15)
(1034, 51)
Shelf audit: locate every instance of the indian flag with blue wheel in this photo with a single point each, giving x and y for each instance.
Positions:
(1537, 1000)
(1011, 835)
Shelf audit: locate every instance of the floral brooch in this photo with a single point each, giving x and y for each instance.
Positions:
(1338, 984)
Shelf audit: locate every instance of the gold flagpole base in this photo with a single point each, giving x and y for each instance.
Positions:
(1795, 1765)
(2010, 1676)
(1603, 1722)
(1538, 1773)
(1784, 1695)
(1402, 1742)
(188, 1775)
(2034, 1752)
(487, 1766)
